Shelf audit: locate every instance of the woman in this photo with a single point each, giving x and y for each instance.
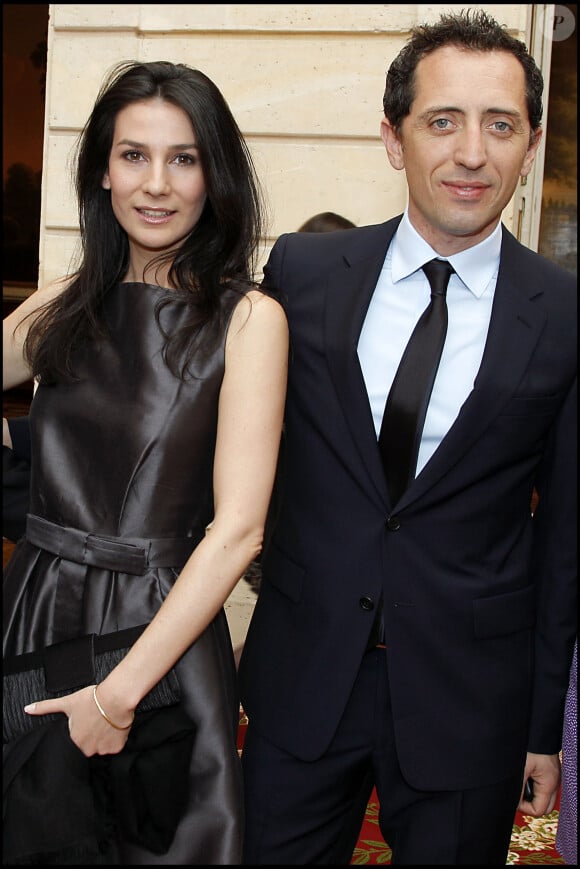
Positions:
(162, 375)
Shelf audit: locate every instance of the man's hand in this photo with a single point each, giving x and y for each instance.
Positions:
(545, 772)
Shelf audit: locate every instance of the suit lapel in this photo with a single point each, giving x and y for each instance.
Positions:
(515, 327)
(349, 291)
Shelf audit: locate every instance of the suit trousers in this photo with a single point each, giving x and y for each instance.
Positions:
(310, 812)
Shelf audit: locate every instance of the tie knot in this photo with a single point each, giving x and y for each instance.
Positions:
(438, 272)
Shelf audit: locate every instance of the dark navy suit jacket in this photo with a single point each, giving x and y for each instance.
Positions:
(479, 597)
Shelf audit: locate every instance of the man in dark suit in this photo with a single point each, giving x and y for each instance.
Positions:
(421, 641)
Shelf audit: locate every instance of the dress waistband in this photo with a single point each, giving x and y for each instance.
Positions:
(133, 555)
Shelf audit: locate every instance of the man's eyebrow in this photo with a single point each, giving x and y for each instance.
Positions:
(492, 110)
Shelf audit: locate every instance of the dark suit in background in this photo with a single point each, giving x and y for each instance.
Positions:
(16, 479)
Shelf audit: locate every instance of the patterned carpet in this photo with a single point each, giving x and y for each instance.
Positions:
(532, 838)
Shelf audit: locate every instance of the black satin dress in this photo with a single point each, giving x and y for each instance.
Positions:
(127, 453)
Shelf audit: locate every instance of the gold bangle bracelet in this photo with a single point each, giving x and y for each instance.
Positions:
(104, 714)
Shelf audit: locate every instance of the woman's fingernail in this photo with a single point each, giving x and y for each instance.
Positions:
(30, 708)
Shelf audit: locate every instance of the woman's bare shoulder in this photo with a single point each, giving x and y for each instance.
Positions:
(257, 315)
(262, 305)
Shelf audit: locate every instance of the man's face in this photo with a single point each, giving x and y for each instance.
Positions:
(464, 144)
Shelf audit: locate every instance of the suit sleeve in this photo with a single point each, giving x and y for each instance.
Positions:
(555, 567)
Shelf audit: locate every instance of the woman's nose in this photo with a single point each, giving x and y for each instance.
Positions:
(156, 180)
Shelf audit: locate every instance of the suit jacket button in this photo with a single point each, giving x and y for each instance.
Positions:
(366, 603)
(393, 523)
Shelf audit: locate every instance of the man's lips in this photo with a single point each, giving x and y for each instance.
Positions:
(466, 189)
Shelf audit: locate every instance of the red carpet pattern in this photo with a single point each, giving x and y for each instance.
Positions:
(532, 841)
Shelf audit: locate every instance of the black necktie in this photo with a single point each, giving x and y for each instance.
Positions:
(406, 406)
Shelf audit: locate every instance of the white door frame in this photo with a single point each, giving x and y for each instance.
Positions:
(528, 195)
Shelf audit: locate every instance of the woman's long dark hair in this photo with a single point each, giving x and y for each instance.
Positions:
(218, 253)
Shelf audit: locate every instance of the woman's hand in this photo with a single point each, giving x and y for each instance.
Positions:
(90, 731)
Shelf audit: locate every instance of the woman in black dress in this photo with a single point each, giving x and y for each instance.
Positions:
(155, 432)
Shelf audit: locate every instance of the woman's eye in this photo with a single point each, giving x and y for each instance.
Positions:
(185, 159)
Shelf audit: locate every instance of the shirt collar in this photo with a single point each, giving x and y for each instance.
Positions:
(475, 266)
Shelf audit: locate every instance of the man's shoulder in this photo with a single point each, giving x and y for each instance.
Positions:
(530, 264)
(342, 242)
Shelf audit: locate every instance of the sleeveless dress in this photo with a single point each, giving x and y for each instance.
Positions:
(126, 452)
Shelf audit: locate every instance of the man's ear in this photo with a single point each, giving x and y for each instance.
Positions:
(531, 154)
(393, 144)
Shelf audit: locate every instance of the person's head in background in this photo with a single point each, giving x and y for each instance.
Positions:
(326, 221)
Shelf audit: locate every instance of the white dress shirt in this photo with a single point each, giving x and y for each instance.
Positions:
(401, 295)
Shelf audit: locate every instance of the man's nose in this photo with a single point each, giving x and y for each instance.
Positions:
(471, 148)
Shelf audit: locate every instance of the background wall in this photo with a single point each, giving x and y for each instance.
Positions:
(305, 83)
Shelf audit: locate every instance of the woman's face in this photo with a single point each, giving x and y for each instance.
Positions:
(155, 177)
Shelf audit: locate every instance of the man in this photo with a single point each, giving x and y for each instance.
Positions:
(463, 700)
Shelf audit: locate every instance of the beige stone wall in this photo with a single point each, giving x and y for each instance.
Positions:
(305, 83)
